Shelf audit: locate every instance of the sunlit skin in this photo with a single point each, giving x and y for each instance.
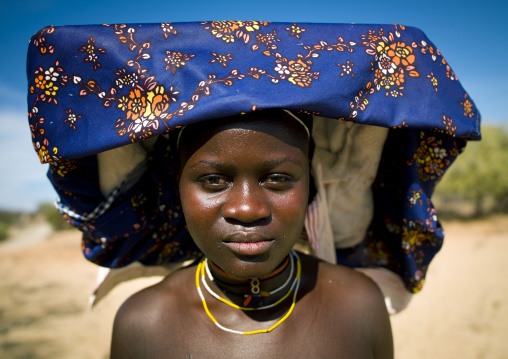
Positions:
(244, 186)
(245, 204)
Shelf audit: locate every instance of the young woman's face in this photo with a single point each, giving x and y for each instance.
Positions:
(244, 192)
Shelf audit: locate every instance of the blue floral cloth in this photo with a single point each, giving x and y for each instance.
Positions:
(94, 88)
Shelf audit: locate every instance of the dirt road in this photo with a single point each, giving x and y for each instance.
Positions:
(461, 313)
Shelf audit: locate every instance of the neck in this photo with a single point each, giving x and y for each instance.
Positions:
(222, 276)
(255, 292)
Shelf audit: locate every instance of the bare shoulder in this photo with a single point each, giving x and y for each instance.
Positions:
(150, 314)
(350, 285)
(350, 303)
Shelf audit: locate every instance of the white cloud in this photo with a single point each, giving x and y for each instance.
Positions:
(23, 182)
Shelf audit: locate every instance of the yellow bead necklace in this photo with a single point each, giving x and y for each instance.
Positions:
(200, 272)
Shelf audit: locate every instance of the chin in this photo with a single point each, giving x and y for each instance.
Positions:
(253, 267)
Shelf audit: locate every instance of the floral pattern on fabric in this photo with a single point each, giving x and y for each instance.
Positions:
(390, 63)
(229, 31)
(94, 88)
(92, 53)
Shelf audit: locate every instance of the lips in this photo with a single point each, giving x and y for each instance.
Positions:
(247, 243)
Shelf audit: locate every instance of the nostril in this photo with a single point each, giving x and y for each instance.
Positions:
(246, 209)
(256, 223)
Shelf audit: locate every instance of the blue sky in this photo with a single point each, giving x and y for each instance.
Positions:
(470, 35)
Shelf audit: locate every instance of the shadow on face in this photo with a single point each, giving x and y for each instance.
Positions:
(194, 136)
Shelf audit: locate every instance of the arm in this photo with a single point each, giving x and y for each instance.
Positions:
(382, 336)
(376, 321)
(139, 324)
(127, 335)
(146, 325)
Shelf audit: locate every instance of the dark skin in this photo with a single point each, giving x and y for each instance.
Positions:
(247, 181)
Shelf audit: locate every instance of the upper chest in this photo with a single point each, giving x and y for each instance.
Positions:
(302, 335)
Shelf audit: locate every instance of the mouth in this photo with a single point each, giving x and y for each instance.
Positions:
(248, 244)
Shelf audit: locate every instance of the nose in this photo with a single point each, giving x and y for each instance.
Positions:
(246, 203)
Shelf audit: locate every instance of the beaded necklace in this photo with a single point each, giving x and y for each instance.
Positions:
(254, 288)
(200, 272)
(256, 294)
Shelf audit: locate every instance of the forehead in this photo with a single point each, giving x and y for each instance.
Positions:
(279, 125)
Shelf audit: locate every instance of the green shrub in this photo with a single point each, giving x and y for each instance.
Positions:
(4, 231)
(7, 219)
(480, 174)
(53, 217)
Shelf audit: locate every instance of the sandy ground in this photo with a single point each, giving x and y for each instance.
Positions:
(461, 313)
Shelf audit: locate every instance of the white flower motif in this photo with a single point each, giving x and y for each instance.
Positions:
(139, 124)
(72, 118)
(281, 70)
(167, 27)
(406, 246)
(386, 65)
(439, 152)
(133, 78)
(51, 75)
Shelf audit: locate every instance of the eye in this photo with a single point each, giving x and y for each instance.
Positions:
(279, 181)
(214, 182)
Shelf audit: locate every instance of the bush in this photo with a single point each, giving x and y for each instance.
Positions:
(53, 217)
(7, 219)
(4, 231)
(480, 174)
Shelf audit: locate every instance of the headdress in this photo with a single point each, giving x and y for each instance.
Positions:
(102, 87)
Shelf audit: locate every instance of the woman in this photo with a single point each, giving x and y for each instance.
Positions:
(244, 188)
(104, 99)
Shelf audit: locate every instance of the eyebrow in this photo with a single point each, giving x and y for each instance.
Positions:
(269, 163)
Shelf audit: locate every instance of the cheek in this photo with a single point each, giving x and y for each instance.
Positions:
(292, 208)
(200, 213)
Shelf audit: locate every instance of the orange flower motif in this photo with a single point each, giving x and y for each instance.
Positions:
(401, 54)
(372, 37)
(40, 82)
(449, 127)
(43, 153)
(136, 104)
(398, 78)
(378, 74)
(300, 80)
(298, 66)
(434, 167)
(220, 28)
(157, 103)
(423, 154)
(468, 107)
